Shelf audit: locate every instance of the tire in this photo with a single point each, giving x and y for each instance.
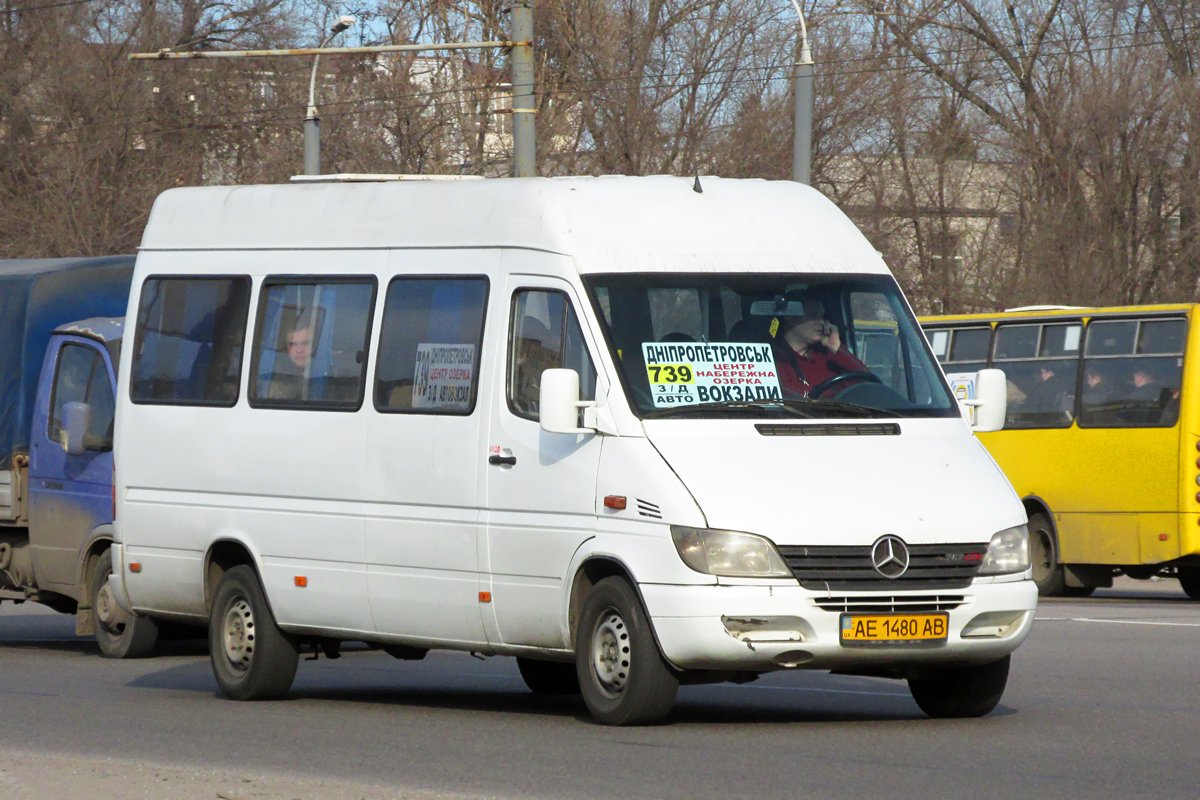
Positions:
(119, 634)
(1189, 581)
(956, 692)
(549, 678)
(251, 658)
(1043, 553)
(622, 675)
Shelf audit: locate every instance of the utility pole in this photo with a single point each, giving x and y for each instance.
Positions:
(524, 110)
(802, 144)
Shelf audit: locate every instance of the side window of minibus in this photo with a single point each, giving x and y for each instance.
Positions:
(429, 345)
(189, 340)
(545, 334)
(311, 342)
(1132, 373)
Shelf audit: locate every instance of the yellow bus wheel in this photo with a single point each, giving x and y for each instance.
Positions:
(1043, 552)
(1189, 580)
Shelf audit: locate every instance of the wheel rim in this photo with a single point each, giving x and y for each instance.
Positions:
(237, 634)
(1042, 555)
(611, 654)
(112, 619)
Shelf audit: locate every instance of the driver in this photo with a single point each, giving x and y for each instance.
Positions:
(810, 350)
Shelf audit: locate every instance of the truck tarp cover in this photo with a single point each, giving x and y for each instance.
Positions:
(36, 296)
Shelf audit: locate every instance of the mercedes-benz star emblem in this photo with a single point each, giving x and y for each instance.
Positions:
(889, 556)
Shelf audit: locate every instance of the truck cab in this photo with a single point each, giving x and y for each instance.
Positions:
(56, 443)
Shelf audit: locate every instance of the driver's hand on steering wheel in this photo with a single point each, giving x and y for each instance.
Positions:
(830, 338)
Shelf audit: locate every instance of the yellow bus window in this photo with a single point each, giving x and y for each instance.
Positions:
(1124, 386)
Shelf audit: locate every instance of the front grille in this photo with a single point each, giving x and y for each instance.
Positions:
(888, 604)
(846, 568)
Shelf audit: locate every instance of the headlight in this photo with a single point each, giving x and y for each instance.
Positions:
(727, 553)
(1008, 552)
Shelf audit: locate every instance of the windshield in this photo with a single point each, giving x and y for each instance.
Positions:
(810, 346)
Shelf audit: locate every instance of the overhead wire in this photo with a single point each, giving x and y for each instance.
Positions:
(771, 73)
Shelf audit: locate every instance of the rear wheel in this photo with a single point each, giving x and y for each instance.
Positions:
(549, 678)
(1043, 551)
(1189, 581)
(622, 675)
(119, 633)
(251, 658)
(961, 691)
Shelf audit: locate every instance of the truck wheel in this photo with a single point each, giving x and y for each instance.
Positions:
(251, 658)
(961, 691)
(119, 634)
(1043, 552)
(622, 676)
(549, 678)
(1189, 581)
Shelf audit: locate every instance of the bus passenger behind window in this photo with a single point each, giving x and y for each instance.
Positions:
(287, 382)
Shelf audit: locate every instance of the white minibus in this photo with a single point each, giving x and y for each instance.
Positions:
(622, 429)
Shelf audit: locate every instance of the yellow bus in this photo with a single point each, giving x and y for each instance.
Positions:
(1101, 437)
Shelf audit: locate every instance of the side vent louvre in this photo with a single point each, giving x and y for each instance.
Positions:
(844, 429)
(648, 509)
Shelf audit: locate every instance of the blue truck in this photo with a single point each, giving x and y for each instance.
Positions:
(61, 325)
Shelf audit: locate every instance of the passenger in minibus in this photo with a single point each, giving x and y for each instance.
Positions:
(810, 350)
(287, 382)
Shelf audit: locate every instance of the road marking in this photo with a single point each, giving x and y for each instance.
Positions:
(1119, 621)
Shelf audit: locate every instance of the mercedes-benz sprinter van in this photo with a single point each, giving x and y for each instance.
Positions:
(635, 432)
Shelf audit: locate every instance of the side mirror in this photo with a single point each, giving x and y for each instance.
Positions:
(77, 419)
(559, 404)
(983, 397)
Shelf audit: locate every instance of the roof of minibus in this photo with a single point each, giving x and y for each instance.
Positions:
(1066, 312)
(608, 224)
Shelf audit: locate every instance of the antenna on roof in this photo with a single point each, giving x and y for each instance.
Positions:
(696, 187)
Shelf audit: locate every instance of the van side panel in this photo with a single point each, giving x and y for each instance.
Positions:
(422, 473)
(287, 483)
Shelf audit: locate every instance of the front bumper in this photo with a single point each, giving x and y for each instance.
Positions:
(762, 628)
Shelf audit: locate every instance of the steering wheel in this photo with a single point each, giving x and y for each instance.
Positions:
(838, 380)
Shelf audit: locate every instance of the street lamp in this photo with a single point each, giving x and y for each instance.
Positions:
(802, 144)
(312, 121)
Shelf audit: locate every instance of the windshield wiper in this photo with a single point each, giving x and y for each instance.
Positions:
(716, 408)
(855, 408)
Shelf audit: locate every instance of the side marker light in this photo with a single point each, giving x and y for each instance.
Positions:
(135, 566)
(615, 501)
(301, 581)
(1162, 537)
(485, 597)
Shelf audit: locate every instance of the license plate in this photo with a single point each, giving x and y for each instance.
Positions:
(894, 628)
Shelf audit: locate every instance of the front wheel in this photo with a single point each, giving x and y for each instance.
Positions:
(622, 675)
(251, 658)
(953, 692)
(119, 634)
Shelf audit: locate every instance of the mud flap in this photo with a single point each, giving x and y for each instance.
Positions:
(83, 621)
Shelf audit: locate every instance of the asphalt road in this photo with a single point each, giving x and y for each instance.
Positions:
(1102, 701)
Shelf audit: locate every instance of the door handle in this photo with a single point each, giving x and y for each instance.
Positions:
(52, 485)
(509, 460)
